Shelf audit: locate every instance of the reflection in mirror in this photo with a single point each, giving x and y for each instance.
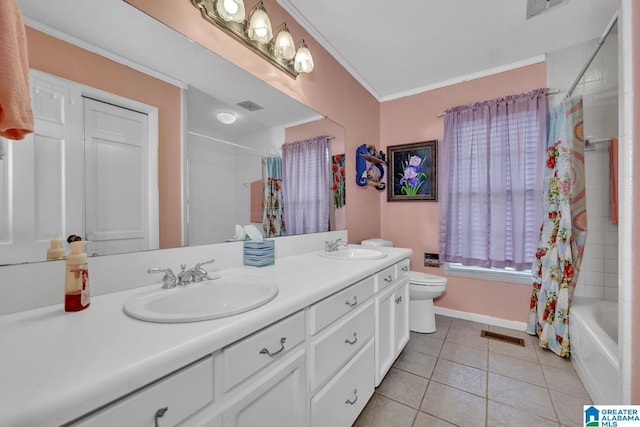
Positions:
(225, 170)
(142, 60)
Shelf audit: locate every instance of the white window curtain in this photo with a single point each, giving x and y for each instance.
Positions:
(305, 185)
(491, 178)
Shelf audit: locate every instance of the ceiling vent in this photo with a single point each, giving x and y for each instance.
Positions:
(536, 7)
(249, 105)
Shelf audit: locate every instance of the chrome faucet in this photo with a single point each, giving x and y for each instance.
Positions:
(194, 274)
(332, 245)
(169, 279)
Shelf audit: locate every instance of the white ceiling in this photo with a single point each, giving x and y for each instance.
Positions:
(396, 48)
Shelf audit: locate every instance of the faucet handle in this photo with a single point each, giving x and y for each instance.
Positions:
(201, 263)
(168, 280)
(199, 273)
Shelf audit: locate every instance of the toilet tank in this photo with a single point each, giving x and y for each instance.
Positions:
(376, 242)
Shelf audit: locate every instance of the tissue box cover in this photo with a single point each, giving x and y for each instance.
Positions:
(259, 254)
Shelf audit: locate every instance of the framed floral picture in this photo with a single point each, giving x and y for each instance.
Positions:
(413, 171)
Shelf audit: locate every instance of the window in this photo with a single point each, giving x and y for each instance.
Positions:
(306, 185)
(491, 177)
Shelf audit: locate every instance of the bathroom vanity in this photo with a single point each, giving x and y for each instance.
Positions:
(310, 357)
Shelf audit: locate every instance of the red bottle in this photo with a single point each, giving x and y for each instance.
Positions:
(76, 284)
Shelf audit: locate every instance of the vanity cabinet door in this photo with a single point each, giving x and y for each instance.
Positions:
(401, 318)
(276, 399)
(384, 333)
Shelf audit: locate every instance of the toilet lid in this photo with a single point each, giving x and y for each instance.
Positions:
(419, 278)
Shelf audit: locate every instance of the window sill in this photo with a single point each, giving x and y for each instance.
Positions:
(490, 274)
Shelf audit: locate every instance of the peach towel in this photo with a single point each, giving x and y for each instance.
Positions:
(613, 176)
(16, 117)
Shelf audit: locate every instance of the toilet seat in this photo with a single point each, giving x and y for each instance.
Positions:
(426, 279)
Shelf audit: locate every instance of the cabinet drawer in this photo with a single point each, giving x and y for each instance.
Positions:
(384, 278)
(402, 269)
(242, 359)
(182, 393)
(336, 345)
(332, 308)
(340, 401)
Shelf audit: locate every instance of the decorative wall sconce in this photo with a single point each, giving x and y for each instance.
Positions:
(255, 31)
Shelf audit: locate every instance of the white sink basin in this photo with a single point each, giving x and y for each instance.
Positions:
(351, 253)
(211, 299)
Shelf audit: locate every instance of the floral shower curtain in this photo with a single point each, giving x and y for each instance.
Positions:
(272, 213)
(563, 232)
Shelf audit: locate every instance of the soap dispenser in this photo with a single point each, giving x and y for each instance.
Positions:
(55, 251)
(76, 284)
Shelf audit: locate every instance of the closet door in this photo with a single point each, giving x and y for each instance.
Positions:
(116, 176)
(40, 197)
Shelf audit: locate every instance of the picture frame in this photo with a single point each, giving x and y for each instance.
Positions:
(413, 172)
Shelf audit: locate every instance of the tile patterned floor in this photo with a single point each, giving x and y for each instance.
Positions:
(454, 377)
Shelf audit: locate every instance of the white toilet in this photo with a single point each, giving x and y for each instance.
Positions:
(423, 288)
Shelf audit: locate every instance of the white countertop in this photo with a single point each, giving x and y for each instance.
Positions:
(56, 366)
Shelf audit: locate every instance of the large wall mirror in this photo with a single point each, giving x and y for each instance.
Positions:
(196, 163)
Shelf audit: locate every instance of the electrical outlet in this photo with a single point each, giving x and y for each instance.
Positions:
(431, 259)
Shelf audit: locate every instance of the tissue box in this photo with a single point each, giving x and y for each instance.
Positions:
(259, 254)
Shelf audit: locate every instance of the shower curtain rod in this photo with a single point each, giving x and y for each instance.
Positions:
(596, 49)
(548, 92)
(233, 144)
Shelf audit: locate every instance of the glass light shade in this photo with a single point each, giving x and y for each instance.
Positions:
(226, 117)
(283, 46)
(259, 28)
(230, 10)
(303, 63)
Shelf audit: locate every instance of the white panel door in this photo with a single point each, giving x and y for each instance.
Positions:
(41, 198)
(117, 178)
(210, 172)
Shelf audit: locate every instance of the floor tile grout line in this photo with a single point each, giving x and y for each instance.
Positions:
(415, 417)
(486, 403)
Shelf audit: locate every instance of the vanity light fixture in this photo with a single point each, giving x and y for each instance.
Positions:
(284, 47)
(226, 117)
(255, 32)
(303, 62)
(259, 25)
(231, 12)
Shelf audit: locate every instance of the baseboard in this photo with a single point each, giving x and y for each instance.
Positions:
(481, 318)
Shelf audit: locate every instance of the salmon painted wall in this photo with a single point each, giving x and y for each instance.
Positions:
(635, 193)
(336, 132)
(330, 90)
(415, 224)
(65, 60)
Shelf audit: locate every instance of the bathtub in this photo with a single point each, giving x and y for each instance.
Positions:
(593, 330)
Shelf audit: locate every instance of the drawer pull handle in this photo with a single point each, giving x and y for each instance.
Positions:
(355, 398)
(398, 300)
(159, 414)
(352, 304)
(388, 279)
(355, 339)
(268, 353)
(405, 268)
